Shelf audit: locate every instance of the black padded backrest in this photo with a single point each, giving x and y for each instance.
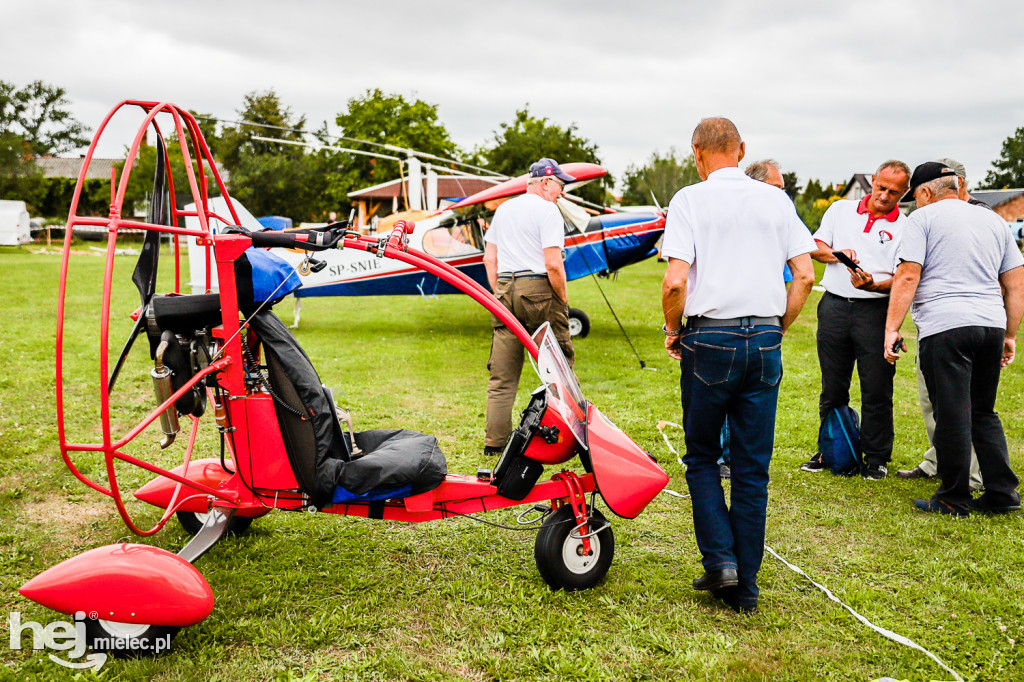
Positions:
(297, 433)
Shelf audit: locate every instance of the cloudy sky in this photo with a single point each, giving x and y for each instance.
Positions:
(826, 88)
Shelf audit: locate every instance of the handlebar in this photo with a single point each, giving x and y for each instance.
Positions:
(313, 240)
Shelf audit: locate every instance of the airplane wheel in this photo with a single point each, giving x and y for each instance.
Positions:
(128, 640)
(579, 323)
(560, 557)
(193, 522)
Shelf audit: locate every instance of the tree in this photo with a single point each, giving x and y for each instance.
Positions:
(791, 184)
(662, 175)
(273, 120)
(1009, 167)
(38, 113)
(388, 119)
(20, 179)
(527, 138)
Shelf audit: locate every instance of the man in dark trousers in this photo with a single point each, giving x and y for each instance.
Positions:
(523, 258)
(726, 240)
(962, 270)
(851, 313)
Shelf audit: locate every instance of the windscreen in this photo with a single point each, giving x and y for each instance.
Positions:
(564, 393)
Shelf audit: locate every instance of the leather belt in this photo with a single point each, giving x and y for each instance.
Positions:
(521, 274)
(863, 299)
(701, 322)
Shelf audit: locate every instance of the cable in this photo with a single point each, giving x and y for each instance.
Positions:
(583, 255)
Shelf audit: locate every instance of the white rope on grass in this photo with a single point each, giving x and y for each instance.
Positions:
(900, 639)
(889, 634)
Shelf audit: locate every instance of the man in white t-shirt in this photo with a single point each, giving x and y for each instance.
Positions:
(524, 265)
(726, 240)
(851, 313)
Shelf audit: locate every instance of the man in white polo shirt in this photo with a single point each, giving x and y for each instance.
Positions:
(726, 240)
(851, 313)
(523, 258)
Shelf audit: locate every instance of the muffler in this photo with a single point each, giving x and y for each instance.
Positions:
(163, 389)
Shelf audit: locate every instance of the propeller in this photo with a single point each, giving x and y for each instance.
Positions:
(144, 275)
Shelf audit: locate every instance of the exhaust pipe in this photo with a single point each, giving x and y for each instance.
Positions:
(162, 387)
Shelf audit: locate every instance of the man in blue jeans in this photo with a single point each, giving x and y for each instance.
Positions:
(726, 239)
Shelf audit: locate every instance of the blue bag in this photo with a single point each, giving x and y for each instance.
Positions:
(839, 441)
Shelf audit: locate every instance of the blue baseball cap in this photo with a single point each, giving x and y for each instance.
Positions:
(549, 168)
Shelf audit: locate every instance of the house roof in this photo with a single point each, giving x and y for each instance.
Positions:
(995, 197)
(861, 179)
(55, 167)
(448, 186)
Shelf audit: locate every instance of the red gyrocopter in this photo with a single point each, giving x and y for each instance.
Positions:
(283, 445)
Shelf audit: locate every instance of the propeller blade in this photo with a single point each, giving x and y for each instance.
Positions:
(127, 348)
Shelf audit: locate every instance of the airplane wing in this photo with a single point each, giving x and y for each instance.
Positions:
(583, 172)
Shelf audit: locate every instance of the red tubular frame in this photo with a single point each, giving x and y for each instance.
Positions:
(227, 249)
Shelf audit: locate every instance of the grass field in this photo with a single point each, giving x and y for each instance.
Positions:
(303, 596)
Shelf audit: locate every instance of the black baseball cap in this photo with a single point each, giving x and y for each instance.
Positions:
(549, 168)
(926, 172)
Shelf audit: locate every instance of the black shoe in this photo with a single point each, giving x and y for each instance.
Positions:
(728, 595)
(987, 505)
(916, 472)
(724, 472)
(874, 472)
(716, 580)
(490, 451)
(939, 507)
(814, 464)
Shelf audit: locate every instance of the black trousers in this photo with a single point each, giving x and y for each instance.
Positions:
(961, 370)
(852, 331)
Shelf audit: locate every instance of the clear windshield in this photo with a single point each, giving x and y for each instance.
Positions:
(564, 393)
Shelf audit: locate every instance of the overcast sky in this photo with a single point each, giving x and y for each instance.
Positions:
(826, 88)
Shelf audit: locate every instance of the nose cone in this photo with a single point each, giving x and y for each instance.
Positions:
(626, 475)
(126, 583)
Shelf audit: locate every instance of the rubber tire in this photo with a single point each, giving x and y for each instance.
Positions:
(553, 538)
(148, 637)
(192, 523)
(579, 323)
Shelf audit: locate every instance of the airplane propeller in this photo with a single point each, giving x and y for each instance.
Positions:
(144, 275)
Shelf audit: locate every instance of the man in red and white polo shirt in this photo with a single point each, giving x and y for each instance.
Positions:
(851, 314)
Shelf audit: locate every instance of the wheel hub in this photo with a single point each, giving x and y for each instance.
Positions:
(576, 559)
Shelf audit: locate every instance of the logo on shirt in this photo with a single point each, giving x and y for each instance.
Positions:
(884, 236)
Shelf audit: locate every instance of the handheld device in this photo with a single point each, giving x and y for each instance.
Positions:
(846, 260)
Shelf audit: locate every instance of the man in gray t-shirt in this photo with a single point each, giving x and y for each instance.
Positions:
(955, 262)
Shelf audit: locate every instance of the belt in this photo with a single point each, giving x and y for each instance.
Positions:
(700, 322)
(863, 299)
(521, 274)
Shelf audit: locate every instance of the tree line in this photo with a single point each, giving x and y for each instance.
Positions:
(307, 183)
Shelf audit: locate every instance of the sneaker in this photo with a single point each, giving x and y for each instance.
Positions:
(724, 472)
(987, 505)
(874, 472)
(939, 507)
(814, 464)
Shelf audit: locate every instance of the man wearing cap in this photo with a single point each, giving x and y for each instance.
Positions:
(928, 466)
(730, 350)
(962, 270)
(851, 313)
(523, 258)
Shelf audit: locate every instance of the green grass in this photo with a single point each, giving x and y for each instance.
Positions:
(304, 596)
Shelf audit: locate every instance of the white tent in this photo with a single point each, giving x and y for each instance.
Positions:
(14, 225)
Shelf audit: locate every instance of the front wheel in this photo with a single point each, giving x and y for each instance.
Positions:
(560, 557)
(128, 640)
(579, 323)
(193, 522)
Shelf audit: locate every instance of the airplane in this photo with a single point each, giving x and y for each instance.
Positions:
(594, 244)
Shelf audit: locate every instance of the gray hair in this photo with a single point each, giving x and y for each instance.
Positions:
(716, 134)
(941, 186)
(895, 164)
(759, 169)
(957, 167)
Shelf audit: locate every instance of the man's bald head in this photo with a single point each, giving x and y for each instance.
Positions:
(716, 135)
